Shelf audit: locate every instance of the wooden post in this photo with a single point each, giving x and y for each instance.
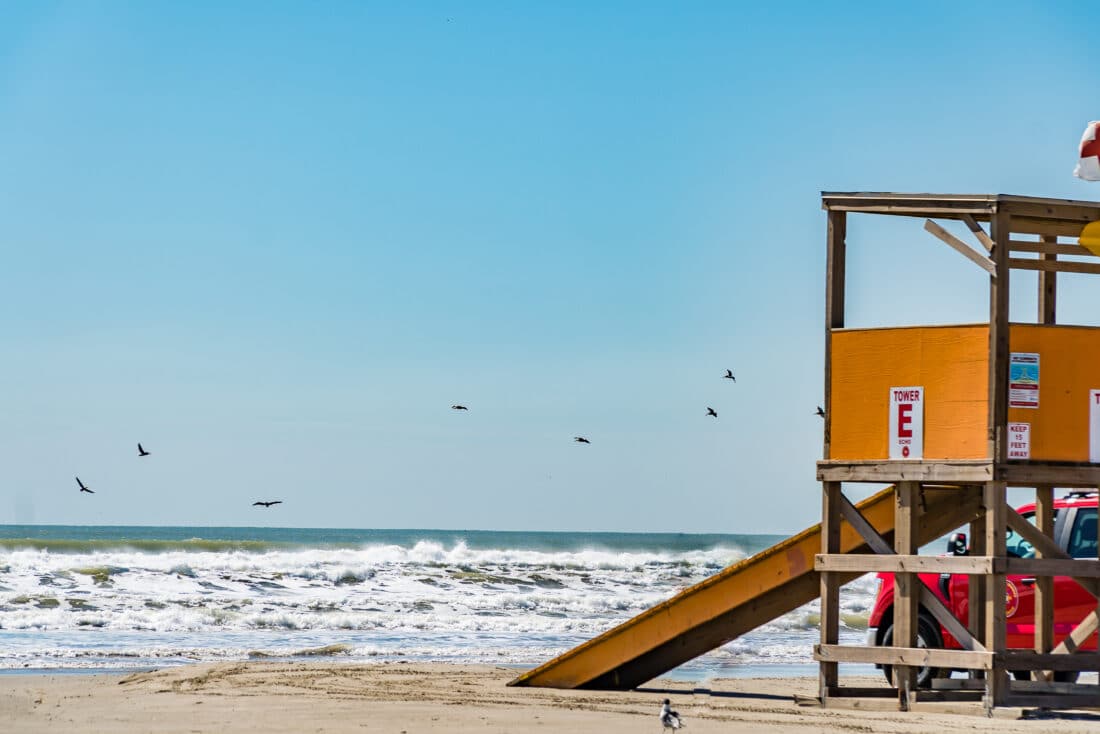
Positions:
(836, 253)
(836, 249)
(998, 341)
(1048, 285)
(906, 586)
(830, 585)
(1044, 585)
(976, 586)
(996, 686)
(993, 497)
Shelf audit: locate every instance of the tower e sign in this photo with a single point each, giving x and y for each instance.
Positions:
(906, 422)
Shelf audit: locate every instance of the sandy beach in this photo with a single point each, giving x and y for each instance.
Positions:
(409, 698)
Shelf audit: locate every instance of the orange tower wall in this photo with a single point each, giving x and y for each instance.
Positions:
(951, 363)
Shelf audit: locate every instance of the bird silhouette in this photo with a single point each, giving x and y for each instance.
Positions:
(729, 375)
(268, 504)
(710, 411)
(459, 407)
(141, 451)
(82, 487)
(820, 411)
(581, 439)
(669, 718)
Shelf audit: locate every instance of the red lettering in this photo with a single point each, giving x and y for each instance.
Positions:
(905, 419)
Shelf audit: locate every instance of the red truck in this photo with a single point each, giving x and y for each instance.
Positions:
(1074, 530)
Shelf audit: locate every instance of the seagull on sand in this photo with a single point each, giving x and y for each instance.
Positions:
(141, 451)
(820, 412)
(459, 407)
(710, 411)
(669, 718)
(82, 487)
(581, 439)
(729, 375)
(268, 504)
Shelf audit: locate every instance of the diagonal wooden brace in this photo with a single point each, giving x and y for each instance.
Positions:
(928, 599)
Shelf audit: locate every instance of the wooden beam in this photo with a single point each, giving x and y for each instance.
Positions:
(993, 498)
(1044, 585)
(914, 656)
(865, 530)
(906, 585)
(1000, 227)
(1027, 660)
(963, 471)
(836, 249)
(1029, 474)
(1048, 245)
(1085, 629)
(830, 583)
(960, 247)
(1052, 701)
(1054, 266)
(973, 226)
(1047, 567)
(904, 563)
(1056, 227)
(1048, 285)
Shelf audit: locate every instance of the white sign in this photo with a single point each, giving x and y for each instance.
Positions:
(1094, 426)
(1019, 440)
(906, 422)
(1023, 380)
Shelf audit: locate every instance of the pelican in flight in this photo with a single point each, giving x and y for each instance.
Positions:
(459, 407)
(710, 411)
(141, 451)
(267, 504)
(581, 439)
(729, 375)
(82, 487)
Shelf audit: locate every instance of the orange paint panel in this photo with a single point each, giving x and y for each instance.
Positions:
(1069, 366)
(950, 362)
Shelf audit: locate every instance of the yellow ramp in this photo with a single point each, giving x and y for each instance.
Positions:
(734, 601)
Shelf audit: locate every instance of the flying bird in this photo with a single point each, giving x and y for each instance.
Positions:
(82, 487)
(729, 375)
(581, 439)
(459, 407)
(268, 504)
(141, 451)
(669, 718)
(820, 411)
(710, 411)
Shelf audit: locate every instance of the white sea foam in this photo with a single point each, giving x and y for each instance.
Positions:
(121, 607)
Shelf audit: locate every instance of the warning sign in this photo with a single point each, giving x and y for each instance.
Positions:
(906, 422)
(1094, 426)
(1023, 380)
(1019, 440)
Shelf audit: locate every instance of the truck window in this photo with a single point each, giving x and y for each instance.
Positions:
(1017, 546)
(1082, 541)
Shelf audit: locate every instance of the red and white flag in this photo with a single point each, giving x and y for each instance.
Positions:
(1088, 167)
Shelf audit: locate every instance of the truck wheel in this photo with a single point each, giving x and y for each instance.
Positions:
(928, 635)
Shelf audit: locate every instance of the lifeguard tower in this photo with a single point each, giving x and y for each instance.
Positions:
(964, 411)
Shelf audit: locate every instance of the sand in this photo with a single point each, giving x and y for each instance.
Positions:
(410, 698)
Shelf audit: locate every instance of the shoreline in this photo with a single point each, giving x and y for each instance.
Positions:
(327, 696)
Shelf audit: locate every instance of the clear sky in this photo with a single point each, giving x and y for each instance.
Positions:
(274, 242)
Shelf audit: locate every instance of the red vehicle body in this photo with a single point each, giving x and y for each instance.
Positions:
(1075, 525)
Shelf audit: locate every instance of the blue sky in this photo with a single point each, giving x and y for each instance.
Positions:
(276, 242)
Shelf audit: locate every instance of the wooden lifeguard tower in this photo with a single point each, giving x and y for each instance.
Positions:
(929, 409)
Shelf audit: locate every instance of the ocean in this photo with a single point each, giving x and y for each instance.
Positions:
(128, 598)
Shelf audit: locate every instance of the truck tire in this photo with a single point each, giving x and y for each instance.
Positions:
(928, 635)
